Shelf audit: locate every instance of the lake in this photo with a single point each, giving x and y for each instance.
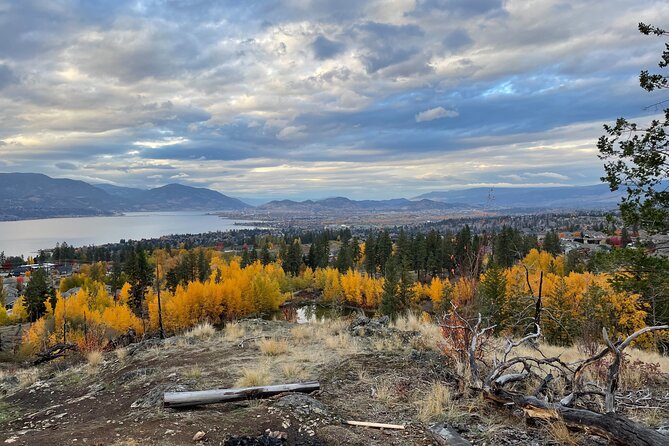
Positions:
(27, 237)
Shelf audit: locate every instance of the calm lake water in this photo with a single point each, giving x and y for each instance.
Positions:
(27, 237)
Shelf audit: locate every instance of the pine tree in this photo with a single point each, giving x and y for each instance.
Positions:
(37, 291)
(552, 243)
(492, 294)
(140, 276)
(370, 254)
(344, 257)
(265, 256)
(384, 249)
(246, 258)
(389, 300)
(294, 258)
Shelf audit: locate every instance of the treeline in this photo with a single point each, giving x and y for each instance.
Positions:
(498, 275)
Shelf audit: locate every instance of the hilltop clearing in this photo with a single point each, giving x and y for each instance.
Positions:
(367, 372)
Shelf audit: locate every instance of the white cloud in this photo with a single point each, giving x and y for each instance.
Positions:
(291, 132)
(550, 175)
(436, 113)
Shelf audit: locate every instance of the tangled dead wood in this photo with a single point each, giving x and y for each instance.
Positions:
(54, 352)
(547, 403)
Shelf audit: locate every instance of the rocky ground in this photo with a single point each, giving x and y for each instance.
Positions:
(367, 371)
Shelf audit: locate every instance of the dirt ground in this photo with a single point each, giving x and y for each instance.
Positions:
(117, 400)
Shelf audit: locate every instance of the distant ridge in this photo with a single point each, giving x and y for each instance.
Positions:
(174, 197)
(346, 204)
(32, 195)
(597, 196)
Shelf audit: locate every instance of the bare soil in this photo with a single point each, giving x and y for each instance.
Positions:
(119, 401)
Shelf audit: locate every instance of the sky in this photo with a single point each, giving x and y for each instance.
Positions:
(316, 98)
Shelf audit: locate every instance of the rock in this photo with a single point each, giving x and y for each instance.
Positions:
(364, 326)
(8, 383)
(154, 398)
(133, 375)
(301, 404)
(449, 434)
(276, 434)
(262, 440)
(199, 436)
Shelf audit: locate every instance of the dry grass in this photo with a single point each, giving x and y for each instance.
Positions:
(383, 390)
(27, 377)
(649, 357)
(94, 358)
(272, 346)
(574, 353)
(294, 372)
(409, 322)
(329, 327)
(234, 331)
(194, 372)
(341, 341)
(121, 354)
(203, 330)
(302, 332)
(560, 433)
(392, 343)
(436, 403)
(252, 377)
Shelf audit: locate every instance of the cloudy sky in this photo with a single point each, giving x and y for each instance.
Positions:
(315, 98)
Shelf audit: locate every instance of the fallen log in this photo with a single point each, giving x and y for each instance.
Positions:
(54, 352)
(201, 397)
(375, 425)
(617, 429)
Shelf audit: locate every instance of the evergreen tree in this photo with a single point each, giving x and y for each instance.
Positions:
(294, 258)
(37, 292)
(265, 255)
(356, 254)
(253, 257)
(140, 276)
(246, 258)
(389, 301)
(492, 294)
(552, 243)
(344, 257)
(370, 254)
(384, 249)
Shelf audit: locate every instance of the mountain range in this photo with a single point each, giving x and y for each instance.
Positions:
(32, 195)
(597, 196)
(348, 205)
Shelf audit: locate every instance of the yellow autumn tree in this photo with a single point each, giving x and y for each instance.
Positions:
(351, 286)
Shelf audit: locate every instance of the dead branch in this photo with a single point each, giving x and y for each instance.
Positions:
(53, 352)
(609, 425)
(614, 368)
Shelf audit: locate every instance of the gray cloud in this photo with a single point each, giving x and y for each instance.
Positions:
(63, 165)
(319, 96)
(325, 48)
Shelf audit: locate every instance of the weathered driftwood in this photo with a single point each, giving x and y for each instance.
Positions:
(375, 425)
(54, 352)
(198, 398)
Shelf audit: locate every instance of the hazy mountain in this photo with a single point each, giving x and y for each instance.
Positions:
(346, 204)
(180, 197)
(31, 195)
(596, 196)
